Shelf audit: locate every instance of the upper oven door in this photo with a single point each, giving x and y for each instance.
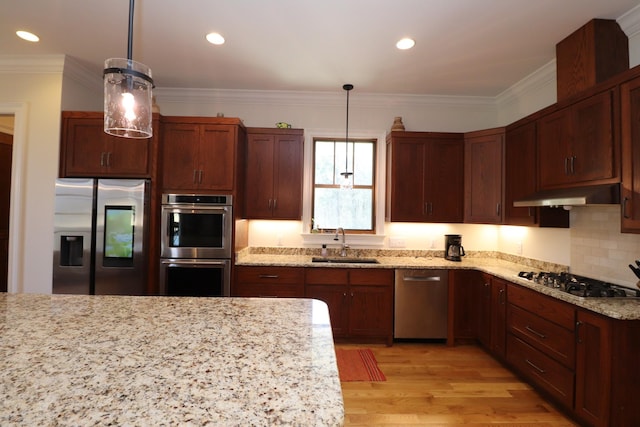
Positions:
(196, 232)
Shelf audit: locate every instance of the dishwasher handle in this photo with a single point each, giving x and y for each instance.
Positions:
(421, 278)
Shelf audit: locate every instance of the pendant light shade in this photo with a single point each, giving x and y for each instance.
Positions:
(128, 94)
(347, 177)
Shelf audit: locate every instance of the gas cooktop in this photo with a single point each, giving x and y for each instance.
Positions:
(580, 286)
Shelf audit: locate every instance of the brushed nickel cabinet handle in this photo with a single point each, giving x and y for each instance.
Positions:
(109, 159)
(268, 276)
(533, 365)
(625, 203)
(102, 159)
(533, 331)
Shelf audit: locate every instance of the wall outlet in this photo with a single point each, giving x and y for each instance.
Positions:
(518, 248)
(396, 242)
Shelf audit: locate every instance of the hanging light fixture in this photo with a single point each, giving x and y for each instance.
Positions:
(127, 94)
(347, 182)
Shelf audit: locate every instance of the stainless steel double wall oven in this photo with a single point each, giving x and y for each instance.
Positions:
(196, 245)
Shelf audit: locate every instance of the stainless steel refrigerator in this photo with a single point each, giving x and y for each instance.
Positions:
(100, 236)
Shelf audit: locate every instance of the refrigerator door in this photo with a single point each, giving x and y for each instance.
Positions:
(72, 236)
(120, 261)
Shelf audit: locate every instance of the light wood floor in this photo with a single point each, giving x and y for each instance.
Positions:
(432, 384)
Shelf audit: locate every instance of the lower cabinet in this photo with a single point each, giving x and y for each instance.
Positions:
(360, 301)
(541, 343)
(264, 281)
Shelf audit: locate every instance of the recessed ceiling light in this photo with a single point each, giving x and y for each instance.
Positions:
(215, 38)
(405, 44)
(26, 35)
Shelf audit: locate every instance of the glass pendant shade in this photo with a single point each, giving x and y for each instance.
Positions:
(127, 98)
(347, 181)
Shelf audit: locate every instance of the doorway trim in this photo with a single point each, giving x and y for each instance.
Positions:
(19, 110)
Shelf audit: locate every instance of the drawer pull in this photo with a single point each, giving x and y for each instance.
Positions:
(533, 365)
(268, 276)
(534, 332)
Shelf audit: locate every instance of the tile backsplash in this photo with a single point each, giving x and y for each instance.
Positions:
(599, 249)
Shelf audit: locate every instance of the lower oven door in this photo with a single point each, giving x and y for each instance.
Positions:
(195, 277)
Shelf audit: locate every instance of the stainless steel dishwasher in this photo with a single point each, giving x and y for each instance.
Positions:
(421, 300)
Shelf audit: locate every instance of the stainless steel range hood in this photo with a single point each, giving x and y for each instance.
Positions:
(578, 196)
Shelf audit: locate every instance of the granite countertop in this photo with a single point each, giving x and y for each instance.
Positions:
(617, 308)
(117, 360)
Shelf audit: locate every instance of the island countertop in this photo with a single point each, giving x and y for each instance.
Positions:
(117, 360)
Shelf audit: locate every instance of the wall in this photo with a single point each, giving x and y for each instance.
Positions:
(33, 94)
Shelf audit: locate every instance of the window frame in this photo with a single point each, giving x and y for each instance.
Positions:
(373, 187)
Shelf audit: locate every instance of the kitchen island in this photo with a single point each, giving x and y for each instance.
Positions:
(117, 360)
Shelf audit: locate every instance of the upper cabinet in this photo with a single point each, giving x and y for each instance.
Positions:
(483, 176)
(424, 177)
(520, 179)
(630, 188)
(576, 144)
(274, 173)
(86, 151)
(200, 154)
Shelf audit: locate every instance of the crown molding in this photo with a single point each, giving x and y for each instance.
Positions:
(31, 64)
(540, 78)
(630, 22)
(309, 98)
(82, 74)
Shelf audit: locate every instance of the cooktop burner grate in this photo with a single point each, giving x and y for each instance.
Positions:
(579, 285)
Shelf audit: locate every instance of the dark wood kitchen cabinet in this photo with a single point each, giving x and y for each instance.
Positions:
(360, 301)
(484, 176)
(274, 173)
(465, 291)
(87, 151)
(268, 281)
(576, 144)
(521, 179)
(201, 154)
(492, 315)
(630, 187)
(540, 342)
(424, 177)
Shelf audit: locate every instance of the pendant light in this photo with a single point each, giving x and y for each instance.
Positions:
(347, 182)
(127, 94)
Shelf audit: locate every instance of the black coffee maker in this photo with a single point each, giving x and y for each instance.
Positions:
(453, 250)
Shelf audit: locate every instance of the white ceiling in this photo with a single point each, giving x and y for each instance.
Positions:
(463, 47)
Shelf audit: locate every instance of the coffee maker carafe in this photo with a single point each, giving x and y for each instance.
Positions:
(453, 250)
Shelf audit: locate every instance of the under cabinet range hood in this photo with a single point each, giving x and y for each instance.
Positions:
(608, 194)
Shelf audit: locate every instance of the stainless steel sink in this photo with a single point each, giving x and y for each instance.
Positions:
(345, 260)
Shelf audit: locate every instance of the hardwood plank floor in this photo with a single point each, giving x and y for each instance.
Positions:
(432, 384)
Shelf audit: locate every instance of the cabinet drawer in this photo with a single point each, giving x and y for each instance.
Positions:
(544, 306)
(270, 275)
(551, 339)
(372, 276)
(326, 276)
(284, 290)
(543, 371)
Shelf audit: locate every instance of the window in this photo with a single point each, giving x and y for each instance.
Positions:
(333, 207)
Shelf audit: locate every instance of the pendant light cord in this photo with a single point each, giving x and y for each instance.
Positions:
(348, 88)
(130, 43)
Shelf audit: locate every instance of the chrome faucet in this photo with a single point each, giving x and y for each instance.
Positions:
(344, 243)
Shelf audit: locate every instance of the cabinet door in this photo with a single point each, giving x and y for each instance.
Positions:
(406, 176)
(259, 176)
(179, 151)
(483, 172)
(370, 311)
(216, 158)
(498, 317)
(593, 368)
(592, 147)
(84, 147)
(554, 152)
(287, 177)
(520, 173)
(337, 299)
(445, 180)
(630, 188)
(484, 312)
(466, 294)
(128, 157)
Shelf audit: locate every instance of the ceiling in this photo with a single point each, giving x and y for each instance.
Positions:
(463, 47)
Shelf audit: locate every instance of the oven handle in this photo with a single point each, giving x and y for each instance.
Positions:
(195, 209)
(194, 263)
